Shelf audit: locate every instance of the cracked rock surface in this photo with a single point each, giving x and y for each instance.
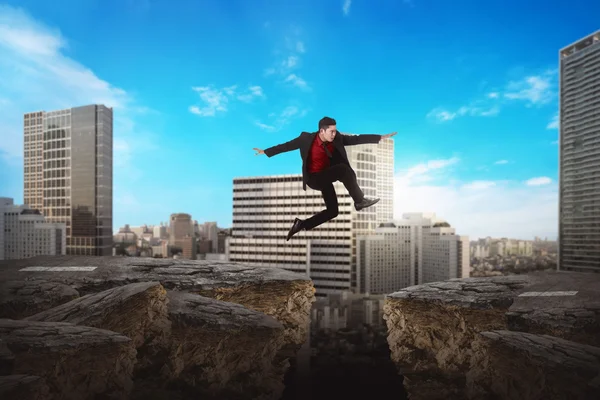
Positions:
(222, 348)
(193, 328)
(20, 298)
(519, 365)
(434, 329)
(285, 295)
(77, 362)
(435, 325)
(137, 310)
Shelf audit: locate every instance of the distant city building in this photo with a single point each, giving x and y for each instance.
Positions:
(490, 247)
(160, 231)
(140, 230)
(24, 233)
(417, 249)
(182, 235)
(347, 310)
(212, 233)
(125, 236)
(264, 209)
(68, 173)
(579, 156)
(181, 226)
(188, 247)
(161, 249)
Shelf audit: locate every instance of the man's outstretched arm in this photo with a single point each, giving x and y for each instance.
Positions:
(351, 140)
(280, 148)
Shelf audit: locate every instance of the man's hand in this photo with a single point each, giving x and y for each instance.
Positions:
(388, 135)
(258, 151)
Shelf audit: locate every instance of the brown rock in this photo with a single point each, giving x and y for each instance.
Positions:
(434, 327)
(23, 387)
(224, 349)
(137, 310)
(285, 295)
(523, 366)
(19, 299)
(77, 362)
(575, 318)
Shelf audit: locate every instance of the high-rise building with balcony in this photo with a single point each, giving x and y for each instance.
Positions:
(579, 156)
(68, 173)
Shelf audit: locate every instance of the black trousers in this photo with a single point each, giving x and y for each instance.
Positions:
(323, 181)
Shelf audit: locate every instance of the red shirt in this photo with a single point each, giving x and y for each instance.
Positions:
(318, 157)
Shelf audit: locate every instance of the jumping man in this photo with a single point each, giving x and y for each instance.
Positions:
(324, 161)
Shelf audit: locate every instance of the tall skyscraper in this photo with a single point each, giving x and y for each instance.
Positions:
(579, 156)
(68, 173)
(417, 249)
(264, 209)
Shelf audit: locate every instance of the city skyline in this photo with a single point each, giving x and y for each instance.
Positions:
(475, 114)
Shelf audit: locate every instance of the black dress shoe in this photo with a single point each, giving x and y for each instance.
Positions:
(365, 203)
(297, 227)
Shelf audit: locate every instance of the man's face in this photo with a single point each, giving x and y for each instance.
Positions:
(329, 133)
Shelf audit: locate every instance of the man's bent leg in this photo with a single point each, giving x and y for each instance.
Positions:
(331, 210)
(345, 174)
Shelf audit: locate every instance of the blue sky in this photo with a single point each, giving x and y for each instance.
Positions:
(470, 86)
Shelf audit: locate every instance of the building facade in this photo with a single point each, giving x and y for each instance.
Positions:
(24, 233)
(264, 209)
(68, 173)
(182, 235)
(579, 156)
(417, 249)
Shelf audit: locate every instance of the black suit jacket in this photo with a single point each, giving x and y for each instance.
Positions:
(305, 140)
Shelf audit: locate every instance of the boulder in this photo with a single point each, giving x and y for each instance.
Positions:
(223, 349)
(434, 327)
(21, 298)
(76, 362)
(137, 310)
(525, 366)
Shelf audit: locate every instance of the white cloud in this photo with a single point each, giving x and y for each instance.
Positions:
(479, 185)
(441, 115)
(281, 119)
(37, 75)
(534, 89)
(478, 208)
(265, 127)
(553, 124)
(539, 181)
(444, 115)
(290, 62)
(421, 172)
(346, 6)
(501, 162)
(291, 59)
(253, 93)
(297, 81)
(555, 142)
(216, 100)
